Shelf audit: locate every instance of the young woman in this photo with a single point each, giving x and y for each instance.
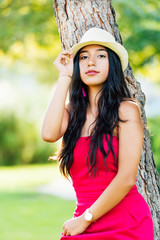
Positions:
(102, 141)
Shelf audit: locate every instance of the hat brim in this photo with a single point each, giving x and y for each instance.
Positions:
(114, 46)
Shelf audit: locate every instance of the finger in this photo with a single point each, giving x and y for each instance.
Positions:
(63, 227)
(64, 57)
(68, 234)
(66, 52)
(65, 232)
(64, 60)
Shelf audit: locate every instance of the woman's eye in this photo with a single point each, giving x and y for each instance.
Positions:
(83, 57)
(101, 56)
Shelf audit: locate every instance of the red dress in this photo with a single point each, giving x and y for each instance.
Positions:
(129, 220)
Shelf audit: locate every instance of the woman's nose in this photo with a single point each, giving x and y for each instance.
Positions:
(91, 61)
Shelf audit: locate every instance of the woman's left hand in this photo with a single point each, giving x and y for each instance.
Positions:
(75, 226)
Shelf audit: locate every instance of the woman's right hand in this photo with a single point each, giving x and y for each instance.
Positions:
(64, 63)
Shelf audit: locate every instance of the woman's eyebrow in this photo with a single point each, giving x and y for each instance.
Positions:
(83, 51)
(101, 49)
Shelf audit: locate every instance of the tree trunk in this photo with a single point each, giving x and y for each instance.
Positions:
(73, 19)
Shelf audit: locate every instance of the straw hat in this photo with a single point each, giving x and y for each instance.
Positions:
(102, 37)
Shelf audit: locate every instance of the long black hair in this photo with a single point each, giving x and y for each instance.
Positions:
(114, 90)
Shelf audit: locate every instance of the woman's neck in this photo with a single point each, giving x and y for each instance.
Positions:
(94, 94)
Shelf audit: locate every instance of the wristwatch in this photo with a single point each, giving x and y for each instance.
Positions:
(88, 216)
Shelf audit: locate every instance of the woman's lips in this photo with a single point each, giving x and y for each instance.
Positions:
(92, 72)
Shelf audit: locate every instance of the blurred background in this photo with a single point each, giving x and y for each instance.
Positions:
(34, 199)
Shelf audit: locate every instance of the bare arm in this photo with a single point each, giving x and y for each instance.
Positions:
(130, 147)
(56, 118)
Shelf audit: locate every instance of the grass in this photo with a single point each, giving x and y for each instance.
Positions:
(26, 214)
(32, 216)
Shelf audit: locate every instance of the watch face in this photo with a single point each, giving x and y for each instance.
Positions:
(88, 216)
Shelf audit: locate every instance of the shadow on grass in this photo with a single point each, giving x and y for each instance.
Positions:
(32, 216)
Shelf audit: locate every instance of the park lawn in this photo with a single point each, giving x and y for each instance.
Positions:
(26, 214)
(33, 216)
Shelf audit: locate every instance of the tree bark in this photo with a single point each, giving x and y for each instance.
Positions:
(73, 19)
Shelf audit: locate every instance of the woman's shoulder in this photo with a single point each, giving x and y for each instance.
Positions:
(129, 109)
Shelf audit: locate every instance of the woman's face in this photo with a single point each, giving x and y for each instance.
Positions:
(94, 65)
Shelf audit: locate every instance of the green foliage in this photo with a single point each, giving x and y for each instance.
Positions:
(29, 33)
(139, 25)
(20, 142)
(154, 128)
(21, 18)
